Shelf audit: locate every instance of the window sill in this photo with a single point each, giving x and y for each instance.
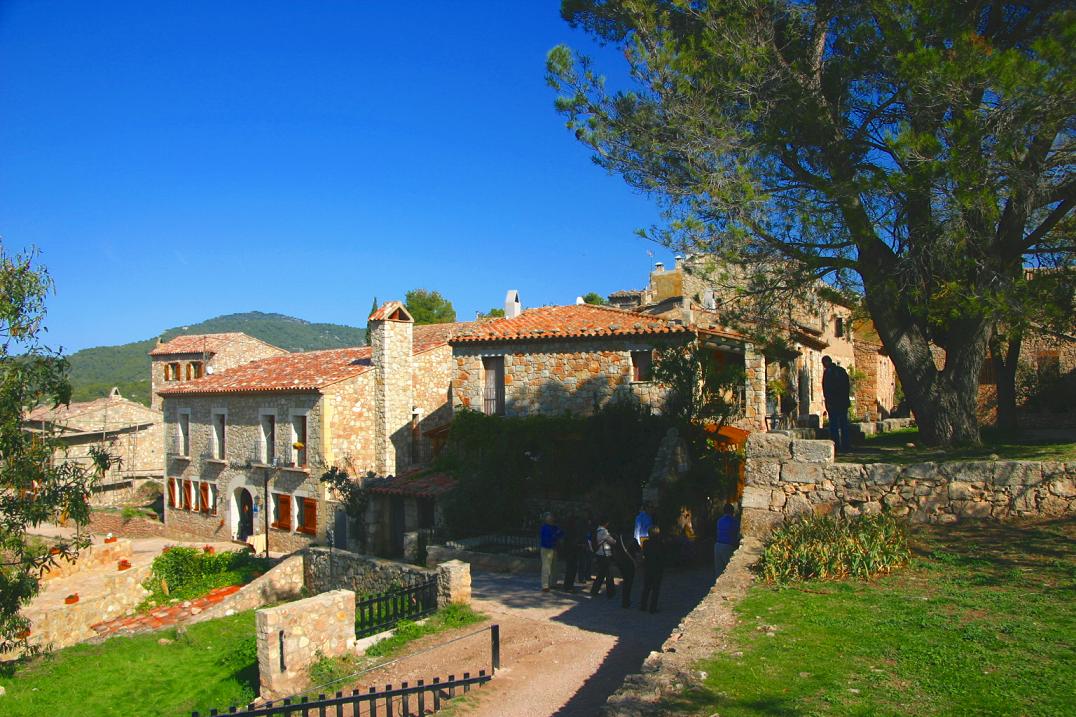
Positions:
(281, 529)
(633, 382)
(217, 461)
(306, 532)
(179, 457)
(296, 469)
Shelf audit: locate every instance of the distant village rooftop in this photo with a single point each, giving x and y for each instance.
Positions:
(575, 321)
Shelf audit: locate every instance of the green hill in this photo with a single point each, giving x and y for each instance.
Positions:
(95, 371)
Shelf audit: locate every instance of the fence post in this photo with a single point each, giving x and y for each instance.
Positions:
(495, 646)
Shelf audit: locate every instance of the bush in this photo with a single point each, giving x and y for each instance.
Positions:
(185, 573)
(835, 549)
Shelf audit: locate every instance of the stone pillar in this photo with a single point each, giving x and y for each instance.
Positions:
(754, 388)
(453, 583)
(299, 633)
(391, 334)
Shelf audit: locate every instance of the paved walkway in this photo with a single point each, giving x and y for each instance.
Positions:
(561, 654)
(165, 616)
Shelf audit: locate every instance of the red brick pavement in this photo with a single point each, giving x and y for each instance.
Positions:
(163, 616)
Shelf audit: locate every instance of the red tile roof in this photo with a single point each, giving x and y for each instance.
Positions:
(386, 311)
(575, 321)
(307, 371)
(198, 343)
(430, 485)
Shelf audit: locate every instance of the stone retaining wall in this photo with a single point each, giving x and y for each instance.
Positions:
(787, 477)
(283, 582)
(294, 636)
(98, 555)
(490, 562)
(325, 570)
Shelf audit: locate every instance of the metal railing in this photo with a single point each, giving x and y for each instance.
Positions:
(381, 612)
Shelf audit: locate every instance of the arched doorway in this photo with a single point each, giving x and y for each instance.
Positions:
(242, 514)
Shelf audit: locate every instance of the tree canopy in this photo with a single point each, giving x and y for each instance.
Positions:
(429, 307)
(917, 152)
(34, 488)
(594, 298)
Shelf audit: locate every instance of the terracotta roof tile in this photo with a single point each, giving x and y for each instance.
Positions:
(306, 371)
(575, 321)
(198, 343)
(386, 311)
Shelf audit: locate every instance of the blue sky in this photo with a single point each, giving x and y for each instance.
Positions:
(175, 161)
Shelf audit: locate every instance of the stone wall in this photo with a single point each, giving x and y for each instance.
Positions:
(790, 477)
(876, 387)
(325, 569)
(294, 636)
(281, 583)
(556, 377)
(432, 388)
(391, 341)
(348, 422)
(98, 555)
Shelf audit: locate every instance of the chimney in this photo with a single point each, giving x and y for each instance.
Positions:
(391, 334)
(579, 300)
(512, 306)
(679, 260)
(659, 267)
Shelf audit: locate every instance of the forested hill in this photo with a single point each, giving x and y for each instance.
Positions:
(96, 370)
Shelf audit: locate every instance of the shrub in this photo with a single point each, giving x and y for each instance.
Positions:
(835, 549)
(189, 573)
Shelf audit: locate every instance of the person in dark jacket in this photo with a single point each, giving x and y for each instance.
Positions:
(569, 548)
(625, 552)
(835, 389)
(655, 555)
(603, 551)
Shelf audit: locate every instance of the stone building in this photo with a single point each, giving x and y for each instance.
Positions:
(567, 359)
(129, 431)
(191, 356)
(247, 445)
(784, 377)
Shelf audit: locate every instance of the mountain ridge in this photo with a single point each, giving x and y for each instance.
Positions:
(95, 370)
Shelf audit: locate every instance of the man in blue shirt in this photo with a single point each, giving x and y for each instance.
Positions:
(728, 534)
(643, 521)
(548, 538)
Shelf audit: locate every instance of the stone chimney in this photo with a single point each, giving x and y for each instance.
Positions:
(391, 333)
(512, 306)
(659, 267)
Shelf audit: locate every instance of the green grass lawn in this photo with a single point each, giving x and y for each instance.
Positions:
(983, 622)
(893, 447)
(213, 664)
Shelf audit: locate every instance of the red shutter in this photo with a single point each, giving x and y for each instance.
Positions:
(172, 492)
(310, 516)
(283, 513)
(186, 495)
(204, 490)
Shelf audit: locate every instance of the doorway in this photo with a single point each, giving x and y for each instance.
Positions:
(243, 512)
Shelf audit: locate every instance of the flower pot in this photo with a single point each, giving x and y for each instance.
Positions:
(124, 565)
(54, 551)
(209, 550)
(22, 635)
(71, 599)
(111, 540)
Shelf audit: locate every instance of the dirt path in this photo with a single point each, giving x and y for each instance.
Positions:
(561, 654)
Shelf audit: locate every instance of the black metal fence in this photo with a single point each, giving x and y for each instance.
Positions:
(378, 613)
(407, 700)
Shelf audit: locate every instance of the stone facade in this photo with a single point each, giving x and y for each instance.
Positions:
(556, 377)
(788, 477)
(876, 384)
(243, 467)
(293, 636)
(215, 353)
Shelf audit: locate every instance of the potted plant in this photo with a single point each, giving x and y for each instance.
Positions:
(209, 549)
(71, 599)
(124, 565)
(110, 538)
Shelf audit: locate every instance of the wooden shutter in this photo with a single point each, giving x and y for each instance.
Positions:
(172, 492)
(204, 489)
(186, 495)
(310, 516)
(283, 512)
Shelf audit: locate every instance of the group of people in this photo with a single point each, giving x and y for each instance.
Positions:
(592, 552)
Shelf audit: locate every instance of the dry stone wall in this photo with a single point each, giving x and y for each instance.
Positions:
(787, 477)
(325, 569)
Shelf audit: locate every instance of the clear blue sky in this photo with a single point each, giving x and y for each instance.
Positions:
(176, 161)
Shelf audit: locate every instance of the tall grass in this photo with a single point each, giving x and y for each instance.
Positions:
(825, 548)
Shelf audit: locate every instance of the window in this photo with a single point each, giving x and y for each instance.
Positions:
(307, 519)
(204, 491)
(268, 438)
(493, 385)
(282, 511)
(838, 326)
(195, 369)
(219, 445)
(171, 371)
(298, 440)
(640, 365)
(184, 447)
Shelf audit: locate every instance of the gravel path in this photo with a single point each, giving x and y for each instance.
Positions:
(561, 654)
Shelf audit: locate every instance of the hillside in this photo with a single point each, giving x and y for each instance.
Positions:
(96, 370)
